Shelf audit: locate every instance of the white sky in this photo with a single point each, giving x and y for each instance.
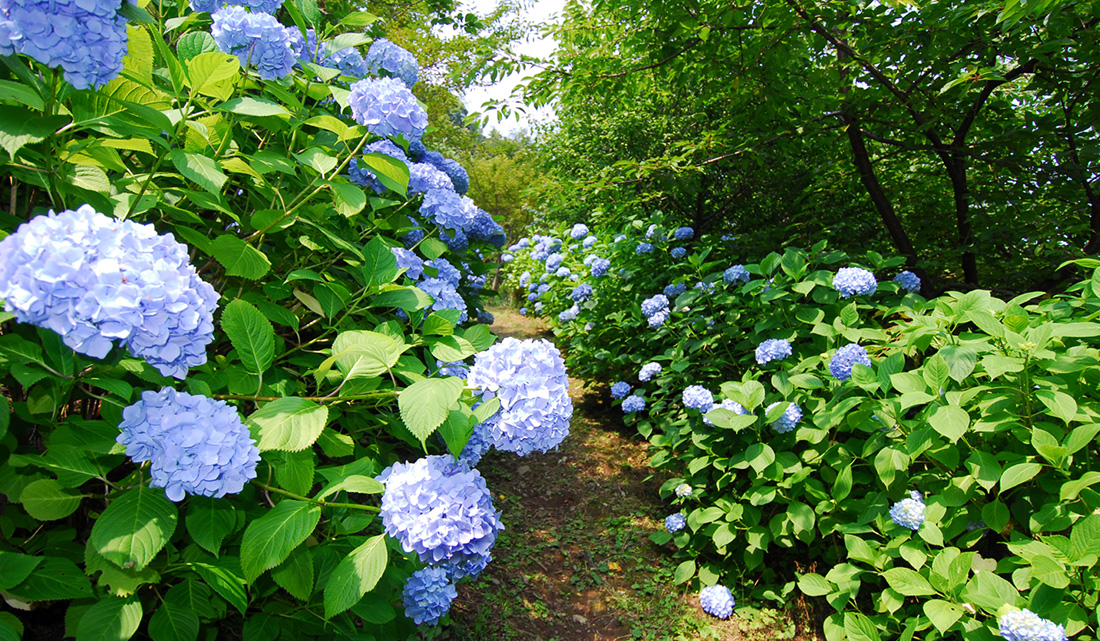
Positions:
(537, 12)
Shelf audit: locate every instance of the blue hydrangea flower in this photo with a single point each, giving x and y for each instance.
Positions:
(683, 490)
(706, 288)
(717, 601)
(588, 242)
(840, 365)
(448, 210)
(410, 262)
(454, 368)
(620, 389)
(445, 271)
(649, 370)
(788, 420)
(485, 318)
(643, 248)
(854, 280)
(93, 279)
(455, 241)
(675, 522)
(563, 272)
(194, 444)
(579, 231)
(459, 178)
(386, 107)
(445, 296)
(909, 281)
(529, 379)
(363, 175)
(654, 305)
(427, 595)
(600, 267)
(86, 38)
(543, 288)
(524, 278)
(773, 349)
(678, 252)
(697, 397)
(730, 405)
(386, 56)
(532, 297)
(1025, 625)
(568, 315)
(257, 39)
(734, 274)
(424, 177)
(658, 319)
(522, 311)
(581, 292)
(440, 509)
(479, 442)
(348, 61)
(683, 233)
(264, 6)
(484, 228)
(672, 291)
(538, 307)
(651, 232)
(306, 49)
(588, 259)
(633, 404)
(909, 513)
(553, 261)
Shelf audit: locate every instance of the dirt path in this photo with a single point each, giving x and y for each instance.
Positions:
(575, 562)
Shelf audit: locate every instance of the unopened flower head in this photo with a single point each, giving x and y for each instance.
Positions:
(840, 365)
(854, 280)
(788, 420)
(773, 349)
(427, 595)
(394, 60)
(194, 444)
(717, 601)
(909, 281)
(909, 513)
(93, 279)
(386, 107)
(440, 509)
(697, 397)
(675, 522)
(530, 380)
(649, 370)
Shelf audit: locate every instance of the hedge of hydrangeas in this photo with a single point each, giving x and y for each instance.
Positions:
(921, 466)
(238, 391)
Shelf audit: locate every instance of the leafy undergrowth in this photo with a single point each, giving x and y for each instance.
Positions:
(575, 562)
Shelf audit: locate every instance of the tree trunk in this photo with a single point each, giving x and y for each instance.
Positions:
(955, 164)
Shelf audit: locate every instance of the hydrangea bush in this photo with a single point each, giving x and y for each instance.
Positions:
(233, 382)
(922, 467)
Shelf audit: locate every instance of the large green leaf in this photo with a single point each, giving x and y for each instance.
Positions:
(199, 169)
(390, 171)
(291, 424)
(15, 567)
(239, 258)
(134, 527)
(379, 263)
(908, 582)
(251, 334)
(111, 619)
(46, 500)
(356, 575)
(295, 575)
(363, 354)
(950, 420)
(54, 580)
(19, 127)
(209, 521)
(269, 539)
(424, 404)
(174, 623)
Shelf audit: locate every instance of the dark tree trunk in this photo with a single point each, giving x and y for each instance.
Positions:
(955, 164)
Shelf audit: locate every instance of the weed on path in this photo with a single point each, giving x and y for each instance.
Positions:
(575, 562)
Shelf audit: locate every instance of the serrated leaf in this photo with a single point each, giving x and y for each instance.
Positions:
(15, 568)
(950, 420)
(211, 73)
(46, 500)
(19, 127)
(225, 577)
(192, 44)
(363, 354)
(295, 575)
(174, 623)
(111, 619)
(199, 169)
(269, 539)
(908, 582)
(54, 580)
(1017, 474)
(356, 575)
(134, 527)
(209, 521)
(291, 424)
(246, 106)
(239, 258)
(251, 334)
(424, 404)
(814, 584)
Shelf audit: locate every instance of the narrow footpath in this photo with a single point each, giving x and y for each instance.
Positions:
(575, 562)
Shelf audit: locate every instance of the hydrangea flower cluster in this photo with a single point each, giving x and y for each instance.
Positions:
(348, 61)
(599, 267)
(581, 292)
(717, 601)
(579, 231)
(683, 233)
(675, 522)
(654, 305)
(730, 405)
(854, 280)
(439, 508)
(449, 210)
(424, 177)
(459, 178)
(265, 6)
(563, 272)
(257, 39)
(428, 595)
(410, 262)
(568, 315)
(620, 389)
(683, 490)
(840, 365)
(678, 252)
(485, 318)
(788, 420)
(86, 38)
(445, 296)
(1025, 625)
(643, 248)
(909, 281)
(773, 349)
(649, 370)
(909, 513)
(588, 242)
(672, 291)
(735, 274)
(386, 107)
(553, 261)
(366, 177)
(633, 404)
(704, 287)
(530, 380)
(195, 444)
(697, 397)
(93, 279)
(383, 55)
